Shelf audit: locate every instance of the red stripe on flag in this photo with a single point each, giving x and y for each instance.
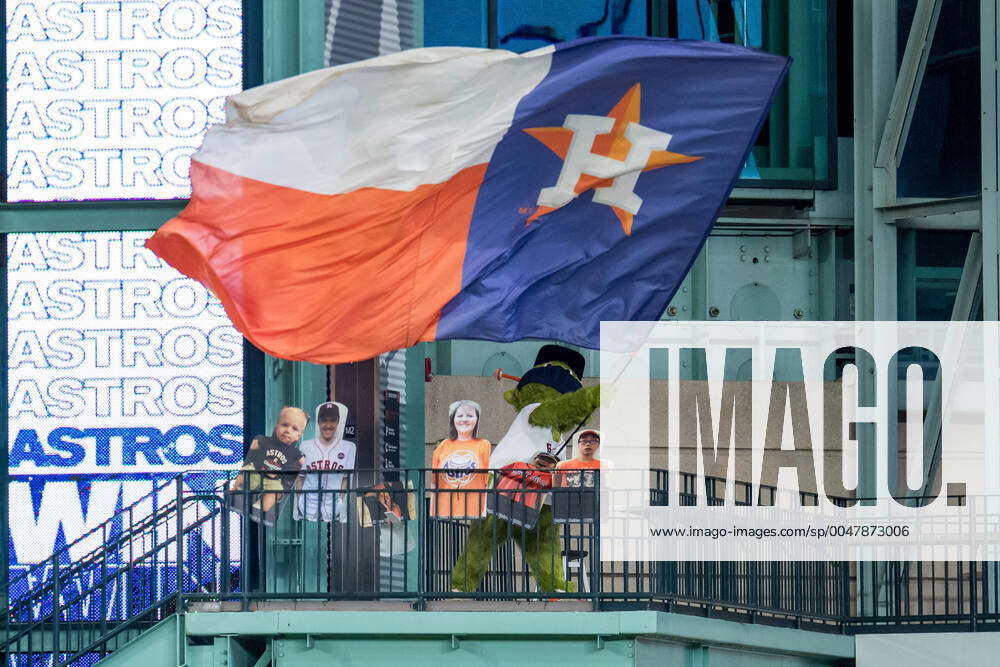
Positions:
(324, 278)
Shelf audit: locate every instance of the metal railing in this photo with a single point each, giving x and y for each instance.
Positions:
(251, 542)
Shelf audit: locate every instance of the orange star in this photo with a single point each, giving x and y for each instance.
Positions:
(613, 145)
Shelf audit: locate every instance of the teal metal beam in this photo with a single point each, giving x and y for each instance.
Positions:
(406, 623)
(413, 452)
(265, 657)
(911, 74)
(717, 632)
(293, 43)
(418, 23)
(294, 33)
(875, 286)
(604, 625)
(989, 54)
(874, 186)
(413, 448)
(96, 216)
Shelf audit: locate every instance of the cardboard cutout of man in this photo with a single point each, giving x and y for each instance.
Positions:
(329, 461)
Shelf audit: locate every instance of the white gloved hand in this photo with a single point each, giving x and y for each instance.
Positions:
(340, 510)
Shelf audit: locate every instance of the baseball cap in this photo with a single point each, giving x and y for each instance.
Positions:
(328, 412)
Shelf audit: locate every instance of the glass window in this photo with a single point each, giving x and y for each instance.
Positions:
(795, 145)
(523, 25)
(930, 271)
(108, 100)
(942, 153)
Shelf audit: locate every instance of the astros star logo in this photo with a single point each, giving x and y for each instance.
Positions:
(605, 154)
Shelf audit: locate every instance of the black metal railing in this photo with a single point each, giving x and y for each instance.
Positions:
(249, 542)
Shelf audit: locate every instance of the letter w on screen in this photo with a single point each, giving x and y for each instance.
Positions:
(468, 193)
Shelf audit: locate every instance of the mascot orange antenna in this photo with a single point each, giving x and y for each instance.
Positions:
(500, 375)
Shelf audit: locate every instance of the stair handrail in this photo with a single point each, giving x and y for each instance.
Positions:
(59, 606)
(23, 576)
(65, 572)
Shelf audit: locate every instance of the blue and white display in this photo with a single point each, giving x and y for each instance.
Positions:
(122, 372)
(108, 100)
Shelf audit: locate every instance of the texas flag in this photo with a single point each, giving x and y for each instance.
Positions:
(468, 193)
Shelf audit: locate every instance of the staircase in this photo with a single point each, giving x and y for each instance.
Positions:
(137, 568)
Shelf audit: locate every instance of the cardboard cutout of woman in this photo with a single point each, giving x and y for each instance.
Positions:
(458, 487)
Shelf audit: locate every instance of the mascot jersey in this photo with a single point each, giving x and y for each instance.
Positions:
(522, 441)
(335, 456)
(457, 458)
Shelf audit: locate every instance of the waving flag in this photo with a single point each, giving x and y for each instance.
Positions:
(468, 193)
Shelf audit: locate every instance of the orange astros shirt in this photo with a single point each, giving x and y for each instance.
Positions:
(454, 459)
(578, 472)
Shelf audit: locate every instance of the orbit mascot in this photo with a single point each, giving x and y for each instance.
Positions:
(551, 403)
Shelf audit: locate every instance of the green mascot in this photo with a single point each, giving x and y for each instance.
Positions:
(551, 403)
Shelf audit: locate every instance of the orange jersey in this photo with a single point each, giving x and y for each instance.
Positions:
(455, 459)
(579, 472)
(519, 476)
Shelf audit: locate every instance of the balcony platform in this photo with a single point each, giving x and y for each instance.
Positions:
(303, 636)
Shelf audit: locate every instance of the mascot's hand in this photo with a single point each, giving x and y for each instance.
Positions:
(565, 412)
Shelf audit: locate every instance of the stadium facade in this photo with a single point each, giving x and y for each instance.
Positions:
(872, 193)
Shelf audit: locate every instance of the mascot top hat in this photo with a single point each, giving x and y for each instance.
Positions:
(557, 367)
(550, 401)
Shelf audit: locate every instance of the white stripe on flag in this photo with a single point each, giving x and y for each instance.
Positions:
(396, 122)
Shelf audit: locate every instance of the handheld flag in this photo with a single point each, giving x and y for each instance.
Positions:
(468, 193)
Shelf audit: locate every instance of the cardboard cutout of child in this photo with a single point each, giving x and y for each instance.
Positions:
(268, 465)
(329, 462)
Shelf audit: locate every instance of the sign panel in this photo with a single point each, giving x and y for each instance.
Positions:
(108, 100)
(390, 435)
(122, 372)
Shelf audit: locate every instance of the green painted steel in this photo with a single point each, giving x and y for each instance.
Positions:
(293, 37)
(307, 638)
(418, 23)
(293, 44)
(990, 99)
(412, 454)
(440, 651)
(104, 216)
(160, 646)
(592, 638)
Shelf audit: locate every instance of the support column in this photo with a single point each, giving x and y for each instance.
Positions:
(874, 82)
(874, 240)
(293, 37)
(4, 442)
(292, 43)
(989, 49)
